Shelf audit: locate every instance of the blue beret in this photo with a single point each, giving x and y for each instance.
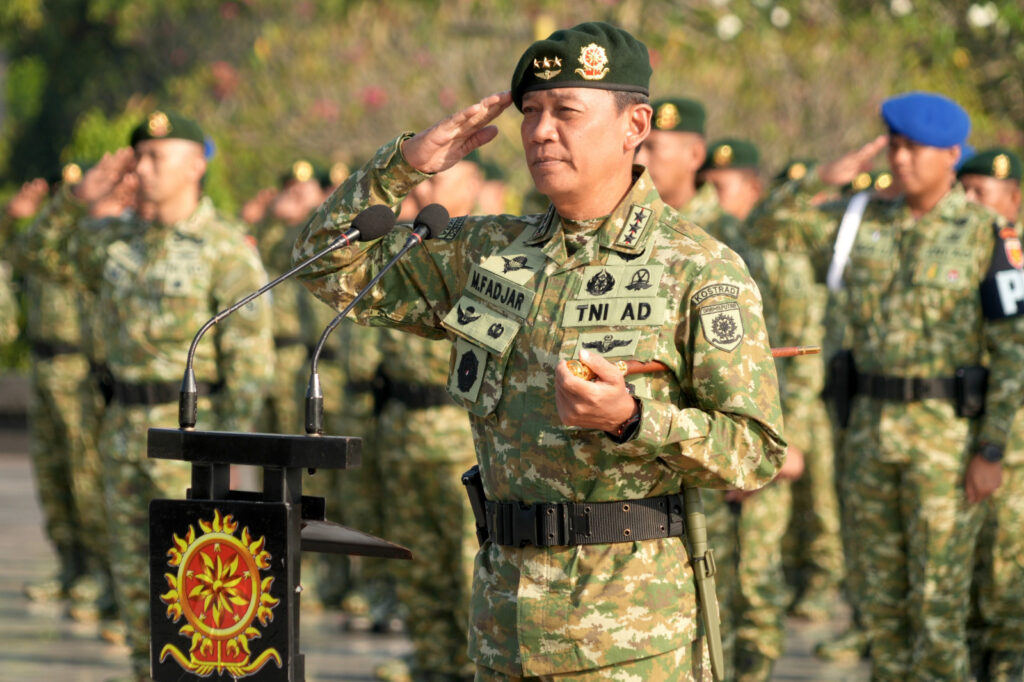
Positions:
(927, 118)
(967, 152)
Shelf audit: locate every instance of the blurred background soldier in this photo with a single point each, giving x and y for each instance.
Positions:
(62, 432)
(921, 457)
(157, 282)
(992, 177)
(425, 445)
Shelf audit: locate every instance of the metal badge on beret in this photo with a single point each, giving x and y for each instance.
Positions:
(723, 155)
(797, 171)
(158, 124)
(883, 181)
(1001, 166)
(667, 117)
(71, 174)
(595, 62)
(551, 67)
(862, 181)
(302, 170)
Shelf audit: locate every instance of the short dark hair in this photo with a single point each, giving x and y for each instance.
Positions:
(625, 98)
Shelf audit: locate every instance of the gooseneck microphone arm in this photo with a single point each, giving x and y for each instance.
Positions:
(372, 223)
(428, 224)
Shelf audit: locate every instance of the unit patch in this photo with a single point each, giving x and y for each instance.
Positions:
(609, 344)
(620, 281)
(500, 292)
(633, 231)
(629, 312)
(722, 325)
(707, 292)
(474, 321)
(468, 374)
(1011, 245)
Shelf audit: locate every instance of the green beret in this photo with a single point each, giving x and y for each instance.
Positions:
(997, 162)
(303, 170)
(795, 169)
(166, 125)
(680, 115)
(590, 55)
(731, 153)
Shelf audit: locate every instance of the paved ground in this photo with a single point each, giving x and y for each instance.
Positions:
(38, 644)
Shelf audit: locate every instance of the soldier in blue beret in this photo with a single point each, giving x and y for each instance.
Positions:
(934, 371)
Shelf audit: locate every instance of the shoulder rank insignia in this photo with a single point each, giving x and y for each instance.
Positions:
(594, 61)
(636, 225)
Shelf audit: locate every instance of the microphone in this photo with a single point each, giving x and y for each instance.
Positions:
(372, 223)
(428, 224)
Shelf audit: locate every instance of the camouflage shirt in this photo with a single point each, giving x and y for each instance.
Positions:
(157, 284)
(912, 300)
(517, 294)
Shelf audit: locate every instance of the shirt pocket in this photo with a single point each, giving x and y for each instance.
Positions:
(480, 357)
(181, 297)
(873, 261)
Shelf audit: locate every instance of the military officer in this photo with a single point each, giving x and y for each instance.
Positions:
(992, 177)
(157, 282)
(920, 455)
(571, 583)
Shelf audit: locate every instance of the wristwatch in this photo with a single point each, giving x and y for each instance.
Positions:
(627, 428)
(990, 452)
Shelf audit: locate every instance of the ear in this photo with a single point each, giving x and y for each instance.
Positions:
(698, 151)
(638, 126)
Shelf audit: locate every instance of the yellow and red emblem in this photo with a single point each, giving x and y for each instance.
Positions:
(594, 60)
(1011, 245)
(217, 588)
(159, 125)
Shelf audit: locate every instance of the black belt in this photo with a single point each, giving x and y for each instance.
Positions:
(154, 393)
(516, 524)
(286, 341)
(45, 350)
(418, 396)
(905, 389)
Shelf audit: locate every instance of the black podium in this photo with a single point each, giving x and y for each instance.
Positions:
(224, 564)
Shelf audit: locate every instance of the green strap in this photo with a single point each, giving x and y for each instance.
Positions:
(703, 561)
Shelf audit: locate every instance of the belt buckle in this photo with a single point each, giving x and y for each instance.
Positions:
(524, 525)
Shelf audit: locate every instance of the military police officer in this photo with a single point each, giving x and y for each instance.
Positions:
(582, 575)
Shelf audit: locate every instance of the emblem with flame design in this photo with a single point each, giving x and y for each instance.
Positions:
(218, 590)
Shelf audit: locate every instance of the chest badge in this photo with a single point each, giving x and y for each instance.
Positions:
(601, 283)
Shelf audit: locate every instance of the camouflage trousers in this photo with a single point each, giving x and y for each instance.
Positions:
(751, 587)
(131, 480)
(62, 427)
(284, 407)
(685, 664)
(423, 454)
(812, 544)
(998, 588)
(914, 533)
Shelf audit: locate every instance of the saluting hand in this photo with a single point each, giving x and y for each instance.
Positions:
(106, 176)
(600, 404)
(846, 167)
(448, 141)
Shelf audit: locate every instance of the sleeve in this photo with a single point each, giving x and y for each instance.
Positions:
(47, 246)
(417, 292)
(790, 221)
(244, 340)
(727, 432)
(1003, 305)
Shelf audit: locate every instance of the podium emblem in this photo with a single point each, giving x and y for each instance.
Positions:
(217, 588)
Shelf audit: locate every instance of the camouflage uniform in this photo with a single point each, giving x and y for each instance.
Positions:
(541, 611)
(156, 285)
(283, 409)
(913, 310)
(8, 305)
(997, 637)
(425, 445)
(62, 430)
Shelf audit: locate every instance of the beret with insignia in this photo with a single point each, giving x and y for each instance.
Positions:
(927, 118)
(731, 153)
(335, 175)
(166, 125)
(795, 169)
(997, 162)
(679, 114)
(589, 55)
(301, 171)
